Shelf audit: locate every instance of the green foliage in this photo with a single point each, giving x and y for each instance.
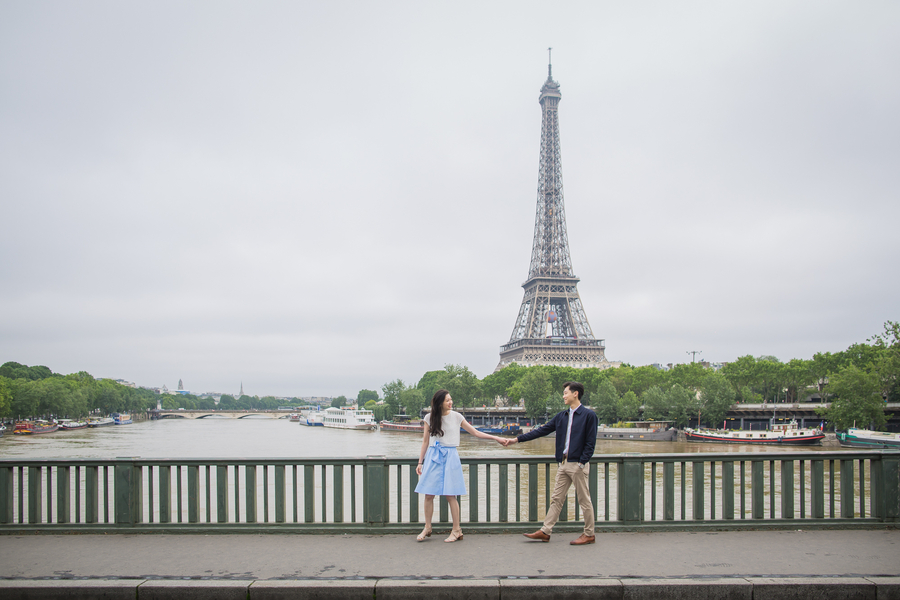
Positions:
(716, 397)
(364, 396)
(535, 389)
(555, 402)
(391, 393)
(681, 403)
(6, 396)
(628, 408)
(656, 404)
(413, 401)
(499, 384)
(606, 402)
(339, 401)
(14, 370)
(370, 405)
(856, 399)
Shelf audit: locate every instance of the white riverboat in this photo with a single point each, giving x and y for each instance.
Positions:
(780, 433)
(312, 419)
(349, 418)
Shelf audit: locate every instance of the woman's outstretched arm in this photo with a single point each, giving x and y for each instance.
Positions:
(485, 436)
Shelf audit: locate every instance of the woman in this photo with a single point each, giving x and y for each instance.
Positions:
(439, 467)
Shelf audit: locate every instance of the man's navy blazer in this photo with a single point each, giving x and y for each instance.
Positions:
(584, 434)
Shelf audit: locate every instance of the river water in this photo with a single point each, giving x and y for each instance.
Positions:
(264, 437)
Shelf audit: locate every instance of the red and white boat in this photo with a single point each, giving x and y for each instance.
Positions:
(781, 433)
(414, 427)
(34, 427)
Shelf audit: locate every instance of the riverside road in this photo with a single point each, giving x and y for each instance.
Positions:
(804, 559)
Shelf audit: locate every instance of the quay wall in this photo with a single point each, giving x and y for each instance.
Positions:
(732, 588)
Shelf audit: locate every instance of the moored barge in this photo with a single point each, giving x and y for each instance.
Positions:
(780, 434)
(864, 438)
(34, 427)
(640, 431)
(409, 426)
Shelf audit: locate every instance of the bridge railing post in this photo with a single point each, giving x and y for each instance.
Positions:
(886, 487)
(376, 490)
(631, 488)
(128, 492)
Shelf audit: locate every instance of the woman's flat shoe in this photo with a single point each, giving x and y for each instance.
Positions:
(425, 534)
(454, 536)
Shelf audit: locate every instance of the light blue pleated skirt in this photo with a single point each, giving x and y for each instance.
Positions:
(442, 473)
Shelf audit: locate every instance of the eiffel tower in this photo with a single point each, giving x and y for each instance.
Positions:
(552, 328)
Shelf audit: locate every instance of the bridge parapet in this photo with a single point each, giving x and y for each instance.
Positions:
(629, 491)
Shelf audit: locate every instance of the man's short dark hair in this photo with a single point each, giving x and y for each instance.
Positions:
(575, 387)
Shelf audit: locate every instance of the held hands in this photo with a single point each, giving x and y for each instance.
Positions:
(507, 442)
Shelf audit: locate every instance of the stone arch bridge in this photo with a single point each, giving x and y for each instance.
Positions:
(220, 414)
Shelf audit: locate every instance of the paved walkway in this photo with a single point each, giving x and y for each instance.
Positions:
(247, 556)
(262, 563)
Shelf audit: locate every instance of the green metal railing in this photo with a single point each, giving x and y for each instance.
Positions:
(664, 491)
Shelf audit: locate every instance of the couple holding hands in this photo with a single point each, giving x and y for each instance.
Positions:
(441, 470)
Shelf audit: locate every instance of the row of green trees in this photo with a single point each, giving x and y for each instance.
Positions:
(38, 392)
(856, 381)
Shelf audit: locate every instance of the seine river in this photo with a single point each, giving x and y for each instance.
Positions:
(263, 437)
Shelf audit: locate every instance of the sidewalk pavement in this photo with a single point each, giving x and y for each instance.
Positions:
(503, 560)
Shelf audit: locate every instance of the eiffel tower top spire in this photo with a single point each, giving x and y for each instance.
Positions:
(550, 250)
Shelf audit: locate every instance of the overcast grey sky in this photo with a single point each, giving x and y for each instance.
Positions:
(319, 197)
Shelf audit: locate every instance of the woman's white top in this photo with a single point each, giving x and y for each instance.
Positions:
(450, 424)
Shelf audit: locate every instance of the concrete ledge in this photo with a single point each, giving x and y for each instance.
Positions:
(752, 588)
(54, 589)
(437, 589)
(888, 587)
(813, 588)
(732, 588)
(200, 589)
(327, 589)
(541, 589)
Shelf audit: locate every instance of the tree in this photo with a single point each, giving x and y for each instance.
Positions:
(413, 401)
(716, 397)
(605, 402)
(688, 375)
(370, 405)
(628, 408)
(363, 397)
(497, 385)
(535, 388)
(6, 396)
(339, 402)
(681, 404)
(462, 384)
(856, 401)
(555, 402)
(391, 393)
(656, 405)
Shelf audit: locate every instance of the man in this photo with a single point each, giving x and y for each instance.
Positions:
(576, 435)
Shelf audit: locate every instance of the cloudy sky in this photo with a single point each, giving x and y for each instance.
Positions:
(313, 198)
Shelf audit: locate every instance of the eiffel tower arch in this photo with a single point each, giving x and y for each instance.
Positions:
(552, 327)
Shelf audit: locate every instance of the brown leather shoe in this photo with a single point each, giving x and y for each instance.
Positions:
(538, 535)
(582, 540)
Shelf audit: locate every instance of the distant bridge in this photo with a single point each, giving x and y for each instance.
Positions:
(219, 414)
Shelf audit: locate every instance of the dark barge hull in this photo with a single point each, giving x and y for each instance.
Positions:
(639, 436)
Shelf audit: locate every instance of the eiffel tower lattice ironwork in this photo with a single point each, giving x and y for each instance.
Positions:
(552, 328)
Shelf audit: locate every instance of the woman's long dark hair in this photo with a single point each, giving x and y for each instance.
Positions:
(437, 413)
